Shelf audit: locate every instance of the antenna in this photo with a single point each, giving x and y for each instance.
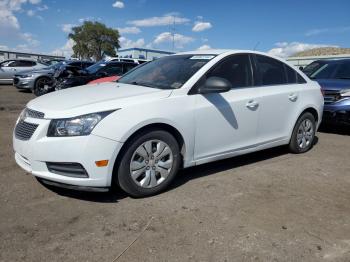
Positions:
(173, 32)
(256, 45)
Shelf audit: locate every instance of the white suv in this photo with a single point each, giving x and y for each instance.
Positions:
(175, 112)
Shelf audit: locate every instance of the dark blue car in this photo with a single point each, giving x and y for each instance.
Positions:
(334, 79)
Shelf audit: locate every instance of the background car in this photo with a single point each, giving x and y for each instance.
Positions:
(9, 68)
(104, 79)
(334, 79)
(41, 81)
(98, 70)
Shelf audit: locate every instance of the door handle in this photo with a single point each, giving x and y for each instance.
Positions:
(293, 97)
(252, 104)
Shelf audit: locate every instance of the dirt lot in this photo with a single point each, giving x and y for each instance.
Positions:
(267, 206)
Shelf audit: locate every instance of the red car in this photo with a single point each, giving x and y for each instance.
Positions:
(104, 79)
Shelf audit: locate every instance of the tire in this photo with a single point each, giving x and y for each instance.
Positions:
(303, 135)
(39, 86)
(153, 158)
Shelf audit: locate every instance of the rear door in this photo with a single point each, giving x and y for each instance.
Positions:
(280, 87)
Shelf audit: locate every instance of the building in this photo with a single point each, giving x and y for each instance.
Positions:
(5, 55)
(142, 53)
(302, 61)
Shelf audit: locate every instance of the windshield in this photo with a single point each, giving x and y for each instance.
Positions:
(95, 67)
(324, 72)
(311, 68)
(168, 72)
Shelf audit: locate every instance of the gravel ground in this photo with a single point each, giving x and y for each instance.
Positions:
(266, 206)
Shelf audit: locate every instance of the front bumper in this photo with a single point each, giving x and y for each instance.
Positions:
(23, 83)
(33, 154)
(337, 113)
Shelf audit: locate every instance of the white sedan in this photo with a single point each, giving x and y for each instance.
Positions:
(175, 112)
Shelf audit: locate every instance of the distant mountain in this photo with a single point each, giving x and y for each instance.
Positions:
(323, 51)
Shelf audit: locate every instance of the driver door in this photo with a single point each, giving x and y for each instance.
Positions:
(227, 122)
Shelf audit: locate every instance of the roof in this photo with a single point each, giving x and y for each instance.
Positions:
(146, 50)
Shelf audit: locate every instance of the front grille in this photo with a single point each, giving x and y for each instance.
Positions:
(15, 81)
(34, 114)
(25, 130)
(67, 169)
(331, 96)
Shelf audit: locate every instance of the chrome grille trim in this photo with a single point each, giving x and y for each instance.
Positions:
(35, 114)
(331, 96)
(25, 130)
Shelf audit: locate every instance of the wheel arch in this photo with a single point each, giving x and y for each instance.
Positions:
(309, 109)
(146, 128)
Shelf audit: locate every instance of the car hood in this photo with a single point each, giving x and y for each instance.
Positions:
(334, 84)
(94, 98)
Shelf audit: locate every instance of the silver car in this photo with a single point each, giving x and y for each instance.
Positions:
(41, 81)
(9, 68)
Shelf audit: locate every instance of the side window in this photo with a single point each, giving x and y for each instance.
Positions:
(113, 70)
(235, 69)
(293, 77)
(13, 64)
(128, 67)
(271, 71)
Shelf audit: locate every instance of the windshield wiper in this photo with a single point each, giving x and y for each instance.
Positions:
(141, 84)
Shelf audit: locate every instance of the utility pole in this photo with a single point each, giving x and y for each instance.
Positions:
(173, 32)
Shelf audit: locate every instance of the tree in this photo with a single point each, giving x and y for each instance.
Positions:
(94, 40)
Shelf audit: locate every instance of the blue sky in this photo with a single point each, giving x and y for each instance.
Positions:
(279, 27)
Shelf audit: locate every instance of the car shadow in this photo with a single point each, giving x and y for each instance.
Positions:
(184, 176)
(112, 196)
(212, 168)
(335, 129)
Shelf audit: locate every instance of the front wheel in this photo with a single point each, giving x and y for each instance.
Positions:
(303, 134)
(149, 163)
(42, 86)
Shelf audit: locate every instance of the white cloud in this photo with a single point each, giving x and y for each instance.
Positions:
(118, 4)
(129, 30)
(201, 26)
(334, 30)
(30, 12)
(179, 40)
(42, 8)
(34, 2)
(127, 43)
(285, 49)
(159, 21)
(9, 24)
(67, 28)
(89, 18)
(204, 47)
(4, 47)
(66, 50)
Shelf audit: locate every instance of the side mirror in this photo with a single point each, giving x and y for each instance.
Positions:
(301, 68)
(215, 85)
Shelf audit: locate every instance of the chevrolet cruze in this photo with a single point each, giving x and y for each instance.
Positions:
(175, 112)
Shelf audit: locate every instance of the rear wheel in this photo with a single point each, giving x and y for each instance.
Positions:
(149, 163)
(42, 86)
(303, 134)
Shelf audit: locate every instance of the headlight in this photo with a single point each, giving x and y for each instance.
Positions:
(345, 93)
(76, 126)
(25, 76)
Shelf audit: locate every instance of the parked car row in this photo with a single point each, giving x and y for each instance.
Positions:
(43, 78)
